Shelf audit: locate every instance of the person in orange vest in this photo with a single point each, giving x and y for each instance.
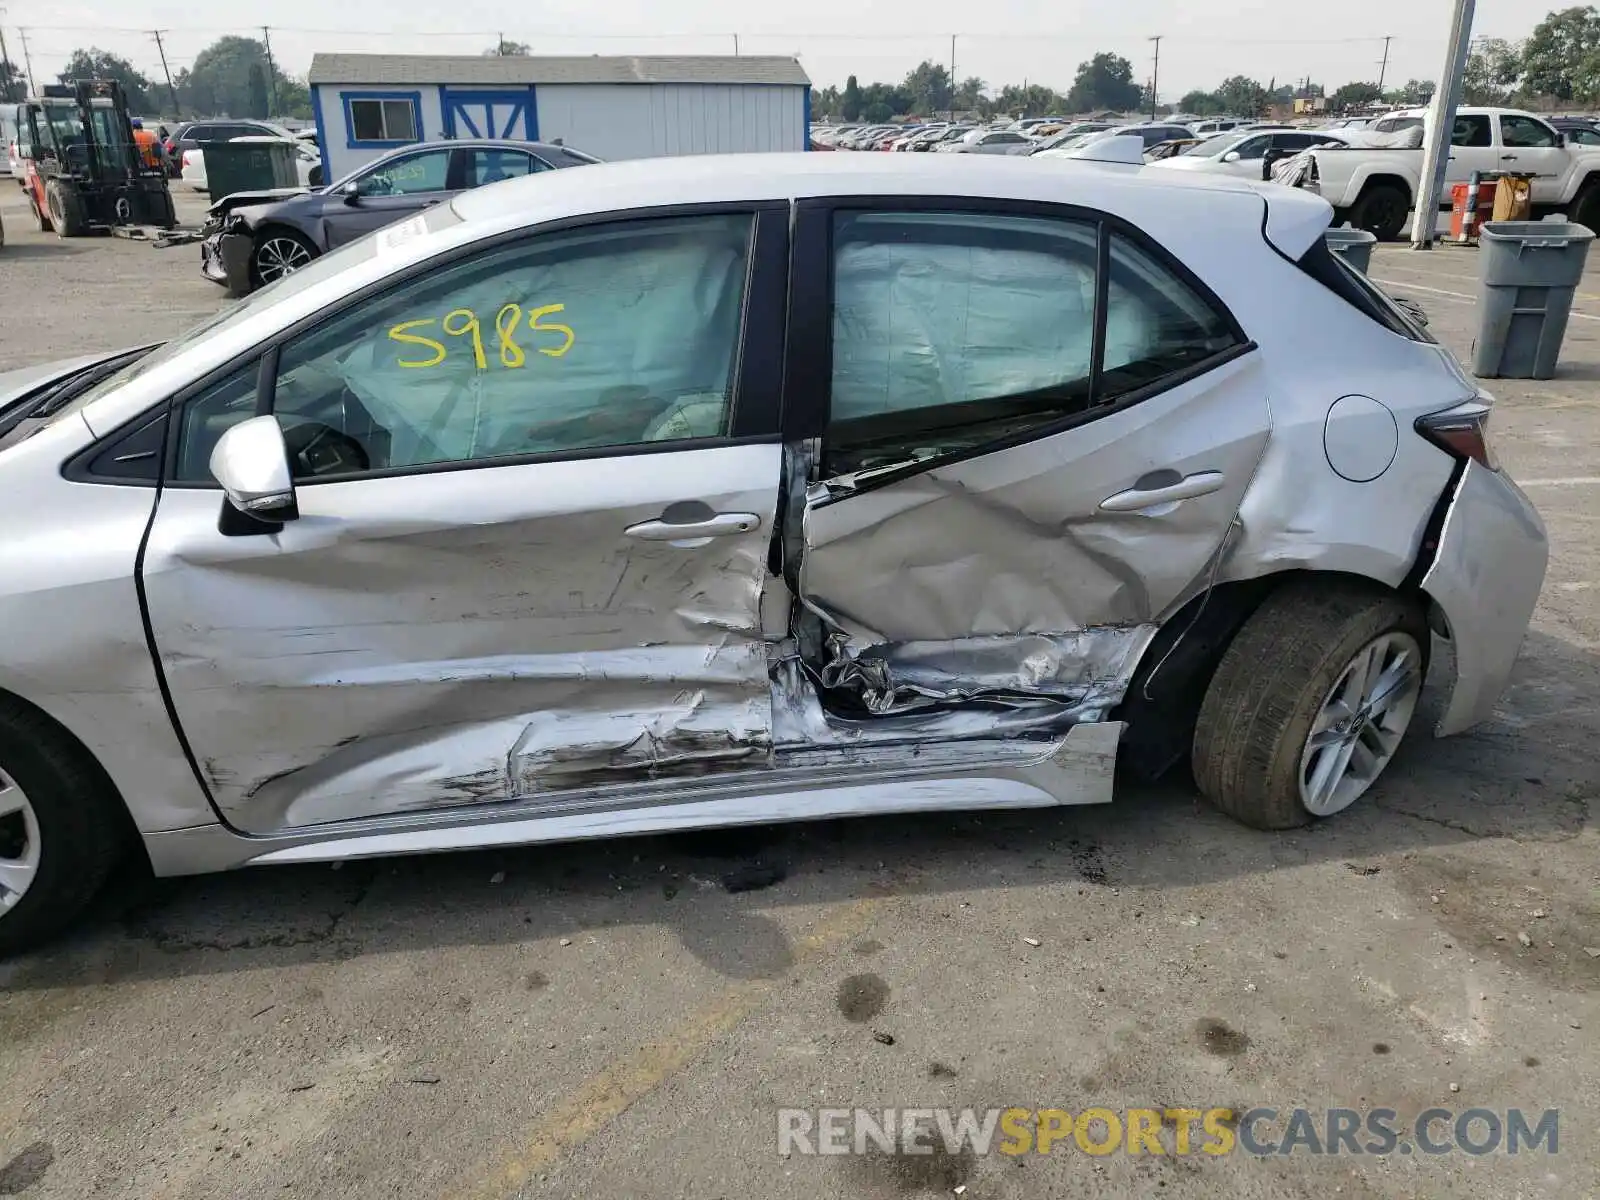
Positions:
(149, 145)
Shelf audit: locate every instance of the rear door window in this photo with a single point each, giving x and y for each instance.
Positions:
(953, 330)
(1472, 131)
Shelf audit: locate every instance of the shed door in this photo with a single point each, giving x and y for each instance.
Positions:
(490, 115)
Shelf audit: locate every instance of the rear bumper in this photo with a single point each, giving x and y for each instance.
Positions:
(1484, 582)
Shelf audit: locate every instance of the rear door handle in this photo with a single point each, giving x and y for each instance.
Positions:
(1136, 499)
(716, 525)
(1508, 158)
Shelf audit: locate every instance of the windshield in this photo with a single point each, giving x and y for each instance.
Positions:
(1213, 147)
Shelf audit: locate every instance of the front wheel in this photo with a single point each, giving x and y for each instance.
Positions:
(1310, 702)
(60, 832)
(278, 252)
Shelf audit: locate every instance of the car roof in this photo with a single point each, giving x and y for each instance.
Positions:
(719, 178)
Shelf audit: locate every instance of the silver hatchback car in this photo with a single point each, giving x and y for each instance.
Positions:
(714, 491)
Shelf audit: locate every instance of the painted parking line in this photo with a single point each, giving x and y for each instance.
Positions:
(1394, 263)
(1459, 297)
(1568, 481)
(624, 1081)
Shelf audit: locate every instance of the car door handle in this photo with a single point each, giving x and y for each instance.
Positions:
(1508, 158)
(716, 525)
(1136, 499)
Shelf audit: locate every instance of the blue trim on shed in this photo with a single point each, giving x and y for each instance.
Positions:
(805, 141)
(322, 133)
(533, 113)
(350, 126)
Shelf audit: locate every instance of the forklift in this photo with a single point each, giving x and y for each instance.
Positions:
(83, 171)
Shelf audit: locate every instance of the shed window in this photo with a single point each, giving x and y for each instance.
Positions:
(383, 120)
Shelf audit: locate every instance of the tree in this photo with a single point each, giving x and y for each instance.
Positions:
(1242, 97)
(1202, 104)
(850, 102)
(928, 88)
(13, 84)
(1031, 99)
(969, 96)
(1415, 92)
(218, 84)
(1104, 82)
(1354, 95)
(508, 49)
(1561, 58)
(95, 63)
(260, 104)
(1493, 68)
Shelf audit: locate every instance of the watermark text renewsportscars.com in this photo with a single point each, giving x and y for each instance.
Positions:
(1180, 1132)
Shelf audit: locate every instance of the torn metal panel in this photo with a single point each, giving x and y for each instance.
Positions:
(466, 636)
(1016, 541)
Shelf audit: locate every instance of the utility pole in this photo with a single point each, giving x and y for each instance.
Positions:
(272, 72)
(1155, 79)
(1383, 70)
(1441, 120)
(172, 92)
(736, 45)
(27, 59)
(952, 77)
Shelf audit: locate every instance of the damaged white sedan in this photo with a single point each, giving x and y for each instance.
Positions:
(710, 491)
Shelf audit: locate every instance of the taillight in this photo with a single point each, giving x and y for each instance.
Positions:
(186, 158)
(1463, 432)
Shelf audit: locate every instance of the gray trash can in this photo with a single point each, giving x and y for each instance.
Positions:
(1527, 278)
(1352, 245)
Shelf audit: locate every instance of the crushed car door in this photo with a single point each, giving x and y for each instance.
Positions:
(536, 487)
(1036, 430)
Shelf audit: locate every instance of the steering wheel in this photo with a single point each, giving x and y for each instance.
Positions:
(316, 449)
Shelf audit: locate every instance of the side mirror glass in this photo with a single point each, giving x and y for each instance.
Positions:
(351, 192)
(251, 463)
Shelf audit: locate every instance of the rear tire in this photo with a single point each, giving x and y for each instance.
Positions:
(1382, 211)
(1586, 208)
(61, 828)
(66, 209)
(1300, 683)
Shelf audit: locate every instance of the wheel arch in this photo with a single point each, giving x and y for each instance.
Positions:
(127, 829)
(1163, 697)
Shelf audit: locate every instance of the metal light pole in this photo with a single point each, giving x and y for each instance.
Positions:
(1441, 123)
(1155, 79)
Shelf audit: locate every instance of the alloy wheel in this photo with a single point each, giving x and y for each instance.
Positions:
(19, 843)
(280, 256)
(1360, 724)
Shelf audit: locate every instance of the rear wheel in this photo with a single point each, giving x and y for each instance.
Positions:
(278, 252)
(60, 832)
(1310, 702)
(1382, 211)
(1586, 208)
(66, 209)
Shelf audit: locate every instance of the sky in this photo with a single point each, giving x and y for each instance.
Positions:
(1000, 41)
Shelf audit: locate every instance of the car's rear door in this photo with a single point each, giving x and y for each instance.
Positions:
(1036, 428)
(536, 487)
(392, 189)
(1529, 146)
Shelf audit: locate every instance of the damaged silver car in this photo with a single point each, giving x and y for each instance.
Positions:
(712, 491)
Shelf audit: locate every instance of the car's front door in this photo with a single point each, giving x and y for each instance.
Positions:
(1246, 158)
(393, 188)
(1472, 148)
(1530, 147)
(536, 489)
(1027, 460)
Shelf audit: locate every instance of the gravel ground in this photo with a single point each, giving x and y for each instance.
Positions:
(615, 1020)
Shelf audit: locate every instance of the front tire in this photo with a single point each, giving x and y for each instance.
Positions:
(1382, 211)
(276, 253)
(1310, 702)
(60, 830)
(65, 206)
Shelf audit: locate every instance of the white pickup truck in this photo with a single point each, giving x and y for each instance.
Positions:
(1374, 187)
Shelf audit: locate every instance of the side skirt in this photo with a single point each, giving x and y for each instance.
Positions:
(1079, 769)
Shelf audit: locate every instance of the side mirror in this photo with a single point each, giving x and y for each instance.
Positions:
(351, 192)
(251, 463)
(1231, 156)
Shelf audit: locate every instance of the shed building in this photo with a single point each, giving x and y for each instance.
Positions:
(610, 107)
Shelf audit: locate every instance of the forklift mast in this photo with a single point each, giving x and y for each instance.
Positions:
(107, 152)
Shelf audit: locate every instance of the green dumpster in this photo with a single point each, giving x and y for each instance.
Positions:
(250, 165)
